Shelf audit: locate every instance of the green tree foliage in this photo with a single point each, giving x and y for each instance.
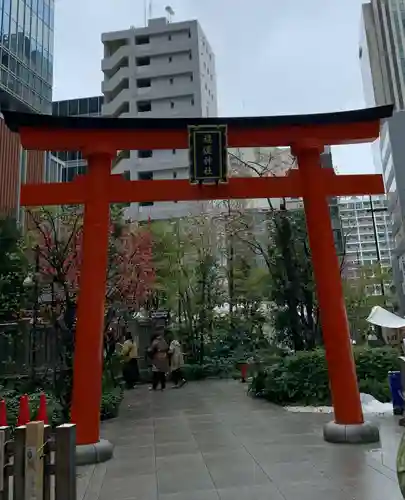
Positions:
(293, 290)
(362, 293)
(13, 270)
(290, 283)
(188, 277)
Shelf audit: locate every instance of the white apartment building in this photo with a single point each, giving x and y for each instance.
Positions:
(160, 71)
(363, 245)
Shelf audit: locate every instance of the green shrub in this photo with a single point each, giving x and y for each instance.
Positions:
(213, 369)
(380, 390)
(110, 403)
(375, 362)
(302, 378)
(12, 399)
(210, 369)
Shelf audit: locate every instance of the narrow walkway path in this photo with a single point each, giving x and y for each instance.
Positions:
(209, 441)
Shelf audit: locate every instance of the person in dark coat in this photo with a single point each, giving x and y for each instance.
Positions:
(158, 353)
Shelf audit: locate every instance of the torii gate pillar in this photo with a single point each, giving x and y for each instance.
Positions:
(335, 328)
(88, 365)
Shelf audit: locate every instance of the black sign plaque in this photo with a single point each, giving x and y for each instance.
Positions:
(208, 153)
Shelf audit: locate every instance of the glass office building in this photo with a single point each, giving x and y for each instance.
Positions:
(74, 162)
(27, 34)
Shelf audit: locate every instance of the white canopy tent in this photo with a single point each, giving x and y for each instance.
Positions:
(392, 326)
(381, 317)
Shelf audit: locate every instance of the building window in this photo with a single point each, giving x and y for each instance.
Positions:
(142, 40)
(189, 33)
(170, 59)
(174, 175)
(143, 83)
(191, 77)
(143, 61)
(190, 55)
(172, 104)
(94, 106)
(144, 106)
(63, 108)
(145, 153)
(145, 176)
(169, 38)
(192, 101)
(171, 81)
(73, 107)
(84, 106)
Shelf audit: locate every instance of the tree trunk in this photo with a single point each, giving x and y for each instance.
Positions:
(292, 285)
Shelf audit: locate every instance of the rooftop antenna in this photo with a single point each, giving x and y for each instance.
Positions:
(170, 13)
(150, 9)
(145, 12)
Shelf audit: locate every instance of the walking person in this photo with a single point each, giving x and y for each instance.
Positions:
(176, 363)
(130, 370)
(158, 352)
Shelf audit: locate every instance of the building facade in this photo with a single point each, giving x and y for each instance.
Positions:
(382, 56)
(393, 157)
(27, 35)
(74, 163)
(162, 70)
(26, 74)
(366, 241)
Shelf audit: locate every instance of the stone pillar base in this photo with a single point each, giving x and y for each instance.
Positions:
(352, 434)
(87, 454)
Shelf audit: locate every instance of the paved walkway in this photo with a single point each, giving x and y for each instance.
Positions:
(209, 441)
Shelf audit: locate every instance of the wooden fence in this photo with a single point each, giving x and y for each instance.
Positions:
(18, 341)
(38, 464)
(17, 344)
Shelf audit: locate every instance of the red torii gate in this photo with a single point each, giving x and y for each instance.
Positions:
(99, 139)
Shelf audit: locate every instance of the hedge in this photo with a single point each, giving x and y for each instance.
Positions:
(110, 403)
(302, 378)
(223, 369)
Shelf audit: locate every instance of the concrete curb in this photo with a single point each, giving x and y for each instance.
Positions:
(87, 454)
(351, 434)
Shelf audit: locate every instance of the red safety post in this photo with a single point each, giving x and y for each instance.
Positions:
(24, 415)
(243, 372)
(42, 415)
(3, 413)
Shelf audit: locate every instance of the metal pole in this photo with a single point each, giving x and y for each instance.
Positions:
(377, 248)
(179, 310)
(35, 311)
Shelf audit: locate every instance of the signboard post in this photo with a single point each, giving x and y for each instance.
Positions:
(2, 461)
(34, 464)
(208, 154)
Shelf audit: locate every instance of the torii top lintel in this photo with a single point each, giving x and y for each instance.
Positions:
(59, 133)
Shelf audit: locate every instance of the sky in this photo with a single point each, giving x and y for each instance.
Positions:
(272, 56)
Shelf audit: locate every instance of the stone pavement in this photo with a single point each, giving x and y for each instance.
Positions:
(209, 441)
